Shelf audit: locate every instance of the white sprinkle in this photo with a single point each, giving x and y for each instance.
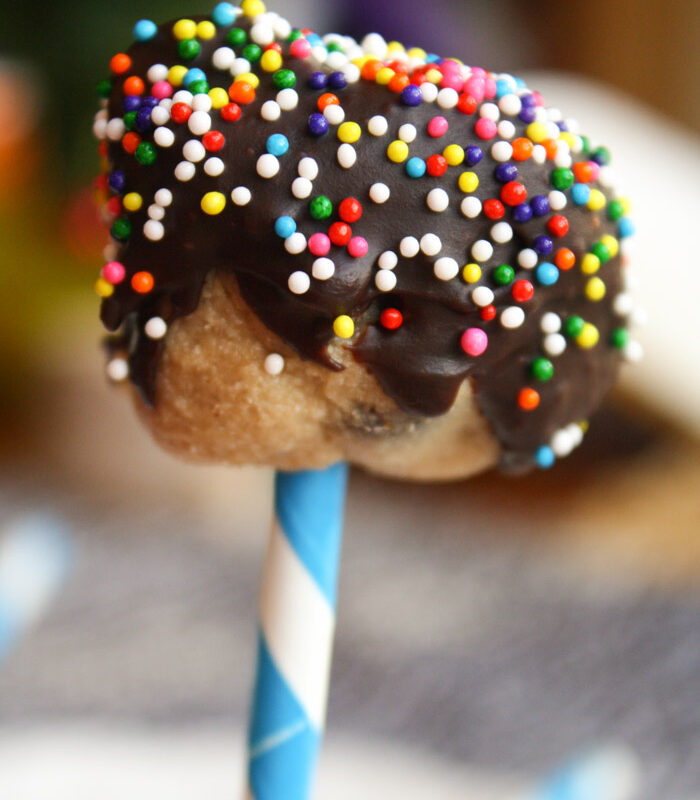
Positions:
(153, 230)
(639, 317)
(346, 155)
(270, 110)
(409, 247)
(308, 168)
(388, 260)
(185, 171)
(447, 98)
(155, 211)
(430, 244)
(117, 370)
(471, 207)
(163, 137)
(281, 27)
(273, 364)
(607, 177)
(241, 196)
(527, 258)
(445, 268)
(506, 129)
(557, 200)
(352, 72)
(183, 96)
(429, 91)
(199, 122)
(482, 296)
(550, 322)
(562, 443)
(160, 115)
(374, 44)
(554, 114)
(99, 126)
(157, 72)
(295, 244)
(214, 166)
(335, 60)
(385, 280)
(633, 352)
(164, 197)
(223, 58)
(510, 104)
(334, 113)
(576, 433)
(512, 317)
(437, 200)
(288, 99)
(562, 160)
(323, 269)
(201, 102)
(379, 193)
(240, 66)
(299, 282)
(407, 133)
(166, 103)
(490, 111)
(155, 328)
(319, 53)
(115, 129)
(267, 166)
(623, 304)
(501, 232)
(377, 125)
(552, 129)
(301, 188)
(482, 250)
(110, 251)
(501, 151)
(193, 150)
(539, 154)
(554, 344)
(262, 33)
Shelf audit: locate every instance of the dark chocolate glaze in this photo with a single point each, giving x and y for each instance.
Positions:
(421, 365)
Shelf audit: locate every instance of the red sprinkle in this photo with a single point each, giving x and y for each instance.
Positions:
(350, 210)
(513, 193)
(340, 233)
(494, 209)
(213, 141)
(131, 141)
(558, 225)
(180, 112)
(436, 165)
(466, 104)
(488, 313)
(391, 318)
(230, 112)
(522, 291)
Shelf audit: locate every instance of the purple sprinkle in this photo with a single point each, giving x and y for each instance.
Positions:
(337, 80)
(506, 172)
(528, 101)
(117, 181)
(143, 120)
(318, 124)
(522, 213)
(131, 103)
(318, 80)
(473, 155)
(543, 245)
(150, 102)
(411, 95)
(527, 114)
(540, 205)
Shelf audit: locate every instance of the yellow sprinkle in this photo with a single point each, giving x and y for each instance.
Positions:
(596, 201)
(588, 337)
(103, 287)
(213, 203)
(468, 181)
(433, 75)
(248, 77)
(590, 264)
(397, 151)
(417, 52)
(185, 29)
(271, 60)
(583, 424)
(537, 131)
(251, 8)
(349, 132)
(176, 74)
(471, 273)
(343, 326)
(132, 201)
(219, 97)
(362, 60)
(206, 29)
(569, 138)
(454, 154)
(626, 205)
(595, 289)
(611, 243)
(395, 47)
(384, 75)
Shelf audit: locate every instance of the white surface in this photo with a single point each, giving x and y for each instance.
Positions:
(657, 164)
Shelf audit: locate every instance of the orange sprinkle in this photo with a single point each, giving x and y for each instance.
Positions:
(130, 141)
(371, 68)
(528, 399)
(565, 258)
(142, 282)
(327, 99)
(102, 148)
(398, 83)
(120, 63)
(134, 85)
(241, 92)
(583, 171)
(550, 145)
(522, 148)
(398, 66)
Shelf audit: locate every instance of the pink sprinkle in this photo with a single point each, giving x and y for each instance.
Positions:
(357, 246)
(113, 272)
(438, 127)
(595, 170)
(490, 88)
(449, 65)
(161, 89)
(319, 244)
(475, 87)
(485, 128)
(539, 100)
(452, 80)
(474, 341)
(478, 72)
(300, 48)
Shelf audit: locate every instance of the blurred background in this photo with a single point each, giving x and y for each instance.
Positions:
(488, 630)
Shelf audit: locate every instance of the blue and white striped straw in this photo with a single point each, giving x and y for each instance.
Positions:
(297, 623)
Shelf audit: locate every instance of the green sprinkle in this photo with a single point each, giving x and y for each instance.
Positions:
(236, 37)
(199, 87)
(562, 178)
(601, 250)
(121, 229)
(130, 120)
(619, 337)
(503, 275)
(188, 49)
(334, 47)
(284, 79)
(602, 155)
(573, 326)
(104, 88)
(615, 210)
(542, 369)
(321, 207)
(145, 153)
(294, 35)
(251, 52)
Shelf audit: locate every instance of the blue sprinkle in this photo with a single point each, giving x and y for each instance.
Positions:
(144, 30)
(473, 155)
(313, 39)
(543, 245)
(143, 120)
(318, 124)
(544, 457)
(149, 102)
(224, 14)
(625, 227)
(194, 74)
(504, 86)
(318, 80)
(580, 193)
(337, 80)
(117, 181)
(277, 144)
(132, 103)
(285, 227)
(432, 58)
(540, 204)
(415, 167)
(506, 172)
(522, 212)
(411, 95)
(546, 274)
(519, 83)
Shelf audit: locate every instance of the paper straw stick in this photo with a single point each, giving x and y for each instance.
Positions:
(297, 622)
